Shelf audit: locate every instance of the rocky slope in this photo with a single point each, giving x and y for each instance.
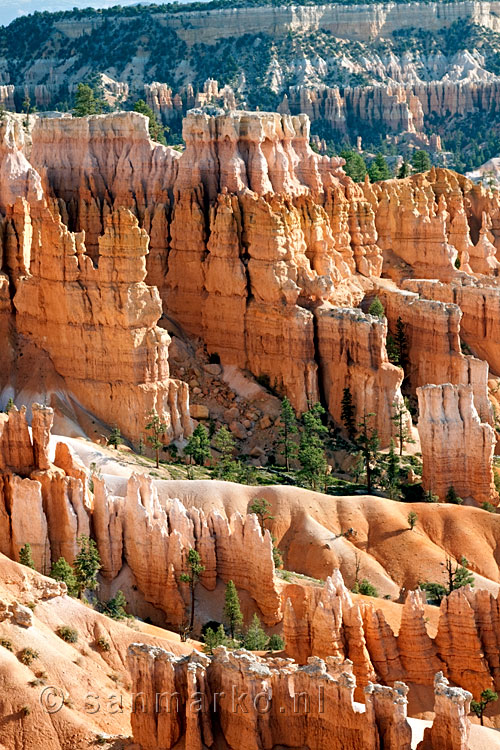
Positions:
(411, 70)
(254, 251)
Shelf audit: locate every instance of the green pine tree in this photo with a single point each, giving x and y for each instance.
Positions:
(404, 170)
(392, 471)
(224, 443)
(399, 418)
(255, 637)
(213, 638)
(115, 438)
(452, 497)
(276, 643)
(412, 519)
(376, 308)
(261, 507)
(116, 607)
(287, 429)
(198, 445)
(479, 707)
(156, 428)
(401, 343)
(156, 129)
(458, 575)
(25, 556)
(421, 161)
(348, 414)
(379, 169)
(62, 571)
(10, 404)
(86, 102)
(195, 569)
(368, 444)
(355, 166)
(232, 609)
(312, 455)
(87, 565)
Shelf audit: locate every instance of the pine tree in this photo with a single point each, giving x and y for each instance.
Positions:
(312, 455)
(368, 444)
(479, 707)
(376, 308)
(421, 161)
(287, 429)
(86, 102)
(401, 343)
(452, 497)
(156, 129)
(62, 571)
(276, 643)
(392, 471)
(404, 170)
(399, 418)
(115, 438)
(458, 575)
(156, 428)
(355, 166)
(198, 445)
(10, 404)
(255, 637)
(213, 638)
(116, 607)
(192, 578)
(261, 507)
(348, 414)
(232, 609)
(379, 169)
(25, 556)
(87, 565)
(225, 444)
(412, 519)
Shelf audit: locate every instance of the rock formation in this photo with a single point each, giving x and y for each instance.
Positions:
(451, 726)
(259, 701)
(451, 436)
(97, 324)
(246, 700)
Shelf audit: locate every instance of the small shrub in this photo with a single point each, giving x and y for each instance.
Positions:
(6, 644)
(28, 656)
(276, 643)
(70, 635)
(452, 497)
(25, 710)
(365, 587)
(37, 681)
(489, 507)
(102, 644)
(31, 605)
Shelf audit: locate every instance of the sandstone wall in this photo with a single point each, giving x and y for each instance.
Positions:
(457, 448)
(272, 714)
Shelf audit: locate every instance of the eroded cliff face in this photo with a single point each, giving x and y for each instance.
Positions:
(257, 245)
(262, 700)
(97, 322)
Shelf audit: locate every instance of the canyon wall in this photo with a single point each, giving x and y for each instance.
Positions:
(144, 536)
(452, 436)
(97, 323)
(278, 700)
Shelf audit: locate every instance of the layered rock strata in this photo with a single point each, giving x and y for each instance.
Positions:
(273, 691)
(451, 436)
(244, 700)
(97, 324)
